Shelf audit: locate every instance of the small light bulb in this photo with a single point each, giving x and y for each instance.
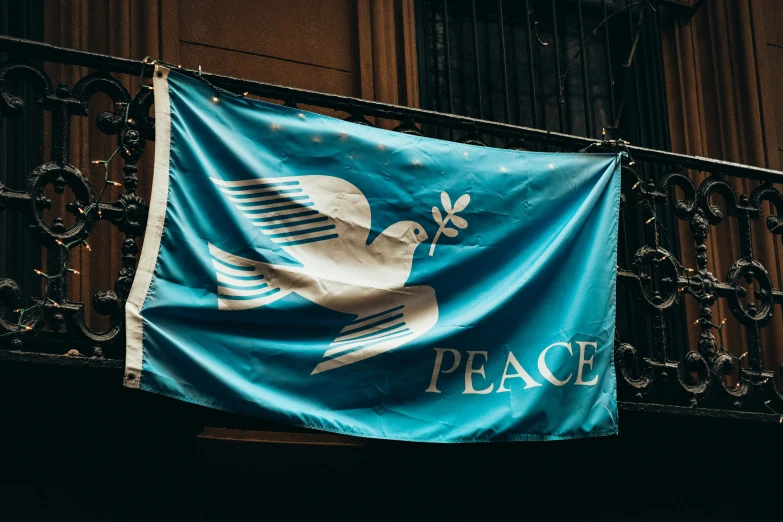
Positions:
(81, 210)
(88, 246)
(130, 120)
(97, 162)
(245, 93)
(650, 220)
(215, 98)
(38, 272)
(28, 327)
(58, 242)
(116, 184)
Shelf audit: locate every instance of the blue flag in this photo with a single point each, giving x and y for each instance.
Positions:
(334, 276)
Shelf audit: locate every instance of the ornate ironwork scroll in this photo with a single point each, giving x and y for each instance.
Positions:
(127, 213)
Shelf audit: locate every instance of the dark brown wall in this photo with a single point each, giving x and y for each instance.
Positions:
(312, 45)
(770, 43)
(362, 48)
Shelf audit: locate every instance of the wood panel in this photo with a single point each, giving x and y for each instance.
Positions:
(293, 42)
(363, 48)
(775, 111)
(773, 20)
(261, 68)
(768, 15)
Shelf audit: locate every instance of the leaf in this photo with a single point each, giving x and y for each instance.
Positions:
(461, 203)
(446, 202)
(450, 232)
(459, 222)
(436, 215)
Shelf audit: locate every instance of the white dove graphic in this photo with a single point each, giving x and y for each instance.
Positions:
(323, 222)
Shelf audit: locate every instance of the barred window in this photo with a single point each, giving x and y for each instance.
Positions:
(573, 66)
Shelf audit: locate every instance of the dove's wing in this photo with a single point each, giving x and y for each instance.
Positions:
(407, 314)
(245, 284)
(315, 219)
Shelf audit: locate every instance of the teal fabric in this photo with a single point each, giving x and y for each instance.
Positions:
(533, 272)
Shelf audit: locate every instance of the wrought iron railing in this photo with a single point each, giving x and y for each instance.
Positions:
(705, 378)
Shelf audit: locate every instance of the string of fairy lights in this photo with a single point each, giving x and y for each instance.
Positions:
(95, 205)
(48, 278)
(649, 206)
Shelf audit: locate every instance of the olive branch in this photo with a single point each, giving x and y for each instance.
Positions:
(451, 215)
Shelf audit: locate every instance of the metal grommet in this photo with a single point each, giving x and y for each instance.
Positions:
(160, 74)
(130, 377)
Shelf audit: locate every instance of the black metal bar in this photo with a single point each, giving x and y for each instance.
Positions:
(504, 64)
(648, 69)
(515, 92)
(384, 110)
(608, 56)
(447, 56)
(661, 83)
(558, 73)
(583, 63)
(488, 73)
(476, 59)
(530, 66)
(431, 26)
(463, 94)
(635, 75)
(540, 55)
(422, 40)
(707, 413)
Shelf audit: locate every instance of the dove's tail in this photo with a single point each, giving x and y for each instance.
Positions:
(245, 284)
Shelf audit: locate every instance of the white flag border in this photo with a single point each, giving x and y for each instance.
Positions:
(134, 324)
